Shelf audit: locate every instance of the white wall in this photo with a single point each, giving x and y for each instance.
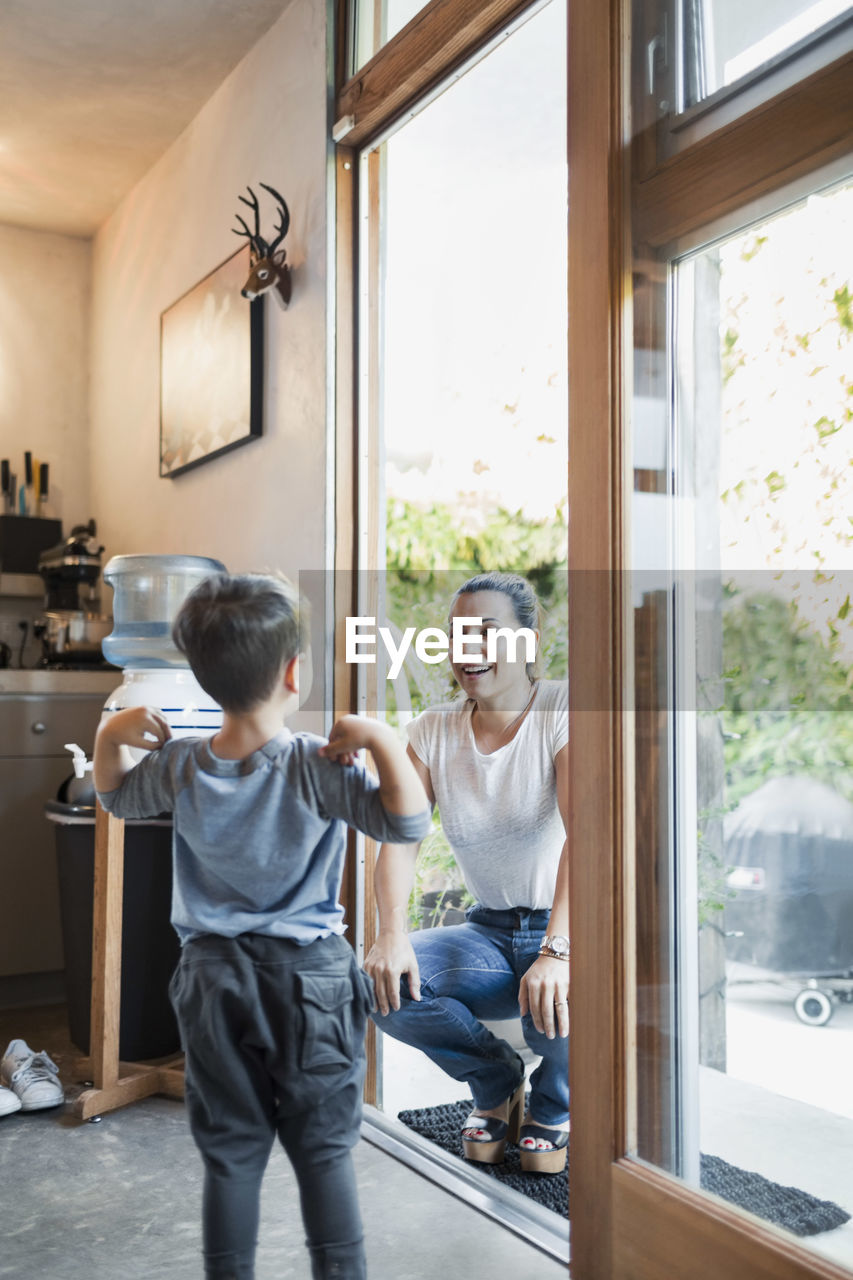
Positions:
(263, 504)
(44, 361)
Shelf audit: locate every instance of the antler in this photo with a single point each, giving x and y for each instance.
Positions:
(258, 245)
(284, 216)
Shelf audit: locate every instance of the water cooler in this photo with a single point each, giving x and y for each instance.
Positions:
(148, 591)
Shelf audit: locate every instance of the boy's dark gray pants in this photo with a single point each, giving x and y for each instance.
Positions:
(274, 1040)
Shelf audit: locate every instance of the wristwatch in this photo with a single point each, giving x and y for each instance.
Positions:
(554, 945)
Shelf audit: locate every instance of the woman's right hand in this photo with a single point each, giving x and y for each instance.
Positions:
(392, 955)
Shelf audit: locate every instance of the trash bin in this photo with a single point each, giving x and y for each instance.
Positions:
(149, 944)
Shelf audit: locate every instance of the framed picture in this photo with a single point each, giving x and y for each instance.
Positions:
(211, 370)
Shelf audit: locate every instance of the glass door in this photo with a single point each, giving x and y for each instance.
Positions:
(462, 411)
(741, 586)
(709, 550)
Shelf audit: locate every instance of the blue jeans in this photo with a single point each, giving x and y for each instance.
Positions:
(472, 971)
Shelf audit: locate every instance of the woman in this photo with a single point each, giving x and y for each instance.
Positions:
(496, 763)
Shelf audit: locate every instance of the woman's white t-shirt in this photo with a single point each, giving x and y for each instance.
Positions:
(499, 811)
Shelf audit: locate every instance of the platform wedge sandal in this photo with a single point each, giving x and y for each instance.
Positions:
(541, 1159)
(484, 1138)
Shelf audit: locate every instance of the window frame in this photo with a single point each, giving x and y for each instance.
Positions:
(631, 1221)
(658, 71)
(437, 42)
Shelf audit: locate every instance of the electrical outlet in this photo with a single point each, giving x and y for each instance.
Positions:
(16, 634)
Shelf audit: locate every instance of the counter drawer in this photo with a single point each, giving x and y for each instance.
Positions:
(39, 726)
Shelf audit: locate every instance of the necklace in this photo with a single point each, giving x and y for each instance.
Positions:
(499, 733)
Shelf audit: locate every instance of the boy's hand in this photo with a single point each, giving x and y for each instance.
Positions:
(142, 727)
(349, 735)
(400, 789)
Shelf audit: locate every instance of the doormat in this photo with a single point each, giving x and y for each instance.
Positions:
(788, 1207)
(443, 1126)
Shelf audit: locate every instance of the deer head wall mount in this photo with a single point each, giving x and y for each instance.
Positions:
(267, 261)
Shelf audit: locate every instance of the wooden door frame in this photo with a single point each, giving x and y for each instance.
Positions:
(629, 1220)
(598, 751)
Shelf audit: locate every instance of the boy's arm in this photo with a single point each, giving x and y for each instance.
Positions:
(400, 789)
(142, 727)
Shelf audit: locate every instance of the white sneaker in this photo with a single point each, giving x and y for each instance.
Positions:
(33, 1077)
(9, 1101)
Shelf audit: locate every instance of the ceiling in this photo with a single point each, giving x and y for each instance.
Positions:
(92, 92)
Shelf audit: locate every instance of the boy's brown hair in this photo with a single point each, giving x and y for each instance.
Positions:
(238, 631)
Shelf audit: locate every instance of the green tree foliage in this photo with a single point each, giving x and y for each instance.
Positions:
(429, 554)
(786, 328)
(786, 340)
(788, 696)
(431, 551)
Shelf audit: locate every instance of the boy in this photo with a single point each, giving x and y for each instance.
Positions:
(270, 1001)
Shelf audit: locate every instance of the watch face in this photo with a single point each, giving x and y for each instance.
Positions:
(559, 944)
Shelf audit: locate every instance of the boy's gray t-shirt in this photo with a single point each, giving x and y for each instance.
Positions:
(258, 844)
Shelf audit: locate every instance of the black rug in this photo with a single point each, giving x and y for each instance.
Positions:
(443, 1126)
(787, 1207)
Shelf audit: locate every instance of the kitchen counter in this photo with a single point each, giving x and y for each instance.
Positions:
(45, 682)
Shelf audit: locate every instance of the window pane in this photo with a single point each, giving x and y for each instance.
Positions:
(468, 387)
(374, 22)
(743, 558)
(698, 65)
(726, 39)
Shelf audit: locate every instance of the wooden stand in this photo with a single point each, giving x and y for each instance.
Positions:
(115, 1083)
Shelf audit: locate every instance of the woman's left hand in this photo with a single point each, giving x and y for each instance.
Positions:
(544, 994)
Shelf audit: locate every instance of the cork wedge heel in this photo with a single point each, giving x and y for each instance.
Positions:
(487, 1136)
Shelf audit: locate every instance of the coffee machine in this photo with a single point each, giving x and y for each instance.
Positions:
(72, 626)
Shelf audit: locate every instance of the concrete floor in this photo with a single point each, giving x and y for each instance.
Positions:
(122, 1198)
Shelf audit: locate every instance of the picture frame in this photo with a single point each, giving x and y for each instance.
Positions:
(211, 370)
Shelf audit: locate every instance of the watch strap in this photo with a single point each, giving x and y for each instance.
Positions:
(554, 945)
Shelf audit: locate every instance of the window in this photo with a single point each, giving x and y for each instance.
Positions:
(373, 23)
(700, 64)
(463, 374)
(653, 369)
(742, 577)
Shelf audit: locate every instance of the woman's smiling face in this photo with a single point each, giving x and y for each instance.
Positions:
(476, 676)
